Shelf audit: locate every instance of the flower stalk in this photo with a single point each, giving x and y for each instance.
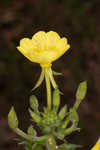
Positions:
(48, 87)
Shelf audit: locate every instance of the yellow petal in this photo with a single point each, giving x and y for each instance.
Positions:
(40, 39)
(52, 39)
(27, 48)
(62, 46)
(26, 53)
(39, 36)
(43, 48)
(26, 44)
(97, 145)
(49, 56)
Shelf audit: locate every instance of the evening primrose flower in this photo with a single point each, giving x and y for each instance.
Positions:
(43, 48)
(97, 145)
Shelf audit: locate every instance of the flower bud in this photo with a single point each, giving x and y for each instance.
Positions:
(80, 94)
(56, 98)
(81, 91)
(12, 119)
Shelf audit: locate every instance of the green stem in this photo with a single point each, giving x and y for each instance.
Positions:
(48, 87)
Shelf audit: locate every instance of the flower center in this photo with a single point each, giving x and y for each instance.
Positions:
(45, 65)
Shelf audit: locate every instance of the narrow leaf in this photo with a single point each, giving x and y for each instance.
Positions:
(68, 146)
(35, 117)
(37, 147)
(31, 131)
(62, 112)
(34, 104)
(73, 115)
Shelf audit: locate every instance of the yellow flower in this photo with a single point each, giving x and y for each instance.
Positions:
(97, 145)
(43, 48)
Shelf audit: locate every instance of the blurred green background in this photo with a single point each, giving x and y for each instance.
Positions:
(77, 20)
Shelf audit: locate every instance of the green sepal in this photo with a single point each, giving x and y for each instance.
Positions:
(51, 143)
(62, 112)
(56, 73)
(12, 119)
(80, 94)
(40, 80)
(56, 99)
(53, 82)
(34, 116)
(34, 103)
(31, 131)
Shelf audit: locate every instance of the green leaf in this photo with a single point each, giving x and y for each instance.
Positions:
(35, 117)
(40, 139)
(56, 98)
(27, 145)
(34, 103)
(12, 119)
(23, 134)
(73, 115)
(37, 147)
(60, 133)
(62, 112)
(40, 80)
(68, 147)
(66, 122)
(31, 131)
(51, 144)
(71, 129)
